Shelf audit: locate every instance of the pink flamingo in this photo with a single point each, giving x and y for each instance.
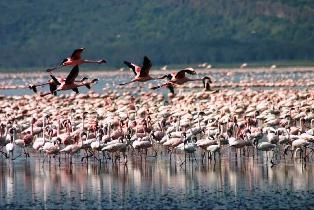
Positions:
(75, 60)
(70, 83)
(53, 85)
(179, 78)
(141, 73)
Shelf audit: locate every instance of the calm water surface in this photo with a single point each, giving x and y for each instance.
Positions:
(155, 183)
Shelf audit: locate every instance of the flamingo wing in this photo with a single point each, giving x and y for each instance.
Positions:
(132, 66)
(77, 53)
(52, 87)
(168, 76)
(55, 79)
(33, 87)
(72, 75)
(181, 74)
(147, 64)
(170, 87)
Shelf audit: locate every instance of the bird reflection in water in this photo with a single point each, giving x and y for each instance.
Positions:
(29, 181)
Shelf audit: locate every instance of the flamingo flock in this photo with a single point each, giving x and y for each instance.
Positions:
(141, 74)
(201, 127)
(204, 126)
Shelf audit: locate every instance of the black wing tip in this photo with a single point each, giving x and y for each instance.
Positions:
(155, 88)
(171, 89)
(33, 87)
(77, 50)
(84, 78)
(55, 79)
(76, 90)
(94, 80)
(146, 59)
(129, 64)
(169, 76)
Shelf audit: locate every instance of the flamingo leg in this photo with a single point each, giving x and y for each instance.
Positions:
(17, 156)
(26, 153)
(127, 82)
(195, 159)
(4, 154)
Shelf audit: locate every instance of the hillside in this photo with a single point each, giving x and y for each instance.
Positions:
(39, 33)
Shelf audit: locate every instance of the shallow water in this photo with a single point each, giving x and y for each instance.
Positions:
(156, 183)
(109, 80)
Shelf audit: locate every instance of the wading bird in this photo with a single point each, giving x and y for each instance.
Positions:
(141, 72)
(179, 78)
(70, 84)
(75, 59)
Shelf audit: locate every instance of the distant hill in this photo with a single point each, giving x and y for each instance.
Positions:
(39, 33)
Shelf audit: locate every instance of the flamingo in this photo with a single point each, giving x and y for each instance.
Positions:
(266, 146)
(179, 78)
(188, 146)
(70, 84)
(141, 73)
(27, 139)
(10, 146)
(53, 84)
(75, 59)
(73, 148)
(39, 142)
(4, 140)
(116, 146)
(52, 148)
(214, 148)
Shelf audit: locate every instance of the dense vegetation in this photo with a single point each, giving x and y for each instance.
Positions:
(38, 33)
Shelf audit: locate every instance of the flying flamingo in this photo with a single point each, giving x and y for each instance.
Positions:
(179, 78)
(53, 84)
(141, 73)
(70, 84)
(75, 60)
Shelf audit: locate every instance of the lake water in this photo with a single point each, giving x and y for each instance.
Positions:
(156, 183)
(108, 80)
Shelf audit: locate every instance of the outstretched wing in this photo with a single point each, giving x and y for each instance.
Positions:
(33, 87)
(55, 79)
(147, 64)
(76, 90)
(181, 74)
(132, 66)
(77, 53)
(72, 75)
(167, 85)
(168, 76)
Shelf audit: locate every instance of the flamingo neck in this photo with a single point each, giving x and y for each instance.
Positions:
(32, 128)
(44, 128)
(58, 128)
(196, 79)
